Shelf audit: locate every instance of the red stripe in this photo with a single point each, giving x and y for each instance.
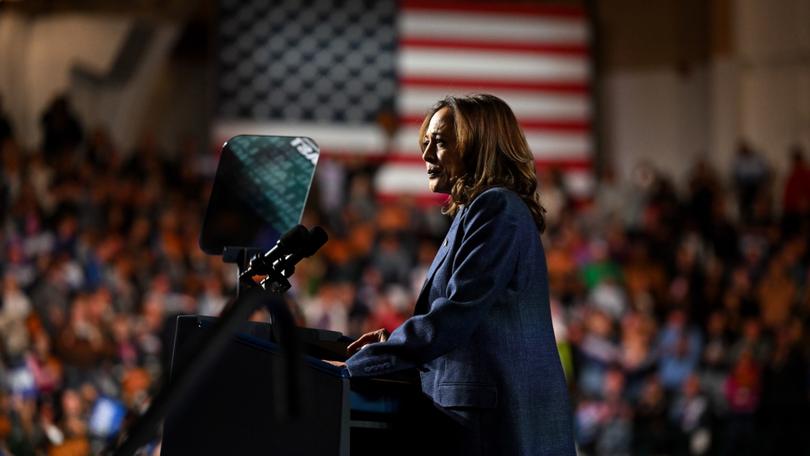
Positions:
(562, 163)
(577, 126)
(340, 155)
(414, 159)
(347, 154)
(421, 199)
(570, 164)
(562, 11)
(579, 50)
(489, 84)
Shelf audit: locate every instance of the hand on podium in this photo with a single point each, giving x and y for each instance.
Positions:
(373, 337)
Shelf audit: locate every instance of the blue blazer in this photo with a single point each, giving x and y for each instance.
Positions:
(481, 334)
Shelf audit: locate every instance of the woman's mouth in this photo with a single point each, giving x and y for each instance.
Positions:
(434, 172)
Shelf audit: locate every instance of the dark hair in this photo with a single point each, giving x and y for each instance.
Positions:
(493, 151)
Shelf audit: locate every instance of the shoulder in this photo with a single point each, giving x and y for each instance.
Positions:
(496, 203)
(498, 199)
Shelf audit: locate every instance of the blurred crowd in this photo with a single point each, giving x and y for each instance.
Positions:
(681, 309)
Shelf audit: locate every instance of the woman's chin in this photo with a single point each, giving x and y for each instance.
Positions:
(439, 189)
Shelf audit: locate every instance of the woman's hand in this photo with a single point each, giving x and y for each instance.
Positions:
(380, 335)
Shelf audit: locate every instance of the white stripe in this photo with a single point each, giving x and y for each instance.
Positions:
(494, 28)
(401, 178)
(411, 179)
(359, 139)
(525, 104)
(543, 145)
(580, 183)
(500, 65)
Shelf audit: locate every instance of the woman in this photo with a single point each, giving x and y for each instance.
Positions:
(481, 333)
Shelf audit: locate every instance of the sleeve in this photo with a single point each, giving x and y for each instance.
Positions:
(482, 267)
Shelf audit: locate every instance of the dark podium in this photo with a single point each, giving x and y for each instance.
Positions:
(233, 409)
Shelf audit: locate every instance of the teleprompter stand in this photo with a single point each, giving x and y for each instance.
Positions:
(259, 192)
(201, 355)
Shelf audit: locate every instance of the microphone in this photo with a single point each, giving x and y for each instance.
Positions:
(290, 242)
(286, 266)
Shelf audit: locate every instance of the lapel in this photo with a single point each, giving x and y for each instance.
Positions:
(421, 301)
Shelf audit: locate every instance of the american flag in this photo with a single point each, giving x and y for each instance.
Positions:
(357, 76)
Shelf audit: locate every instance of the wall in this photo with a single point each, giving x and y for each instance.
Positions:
(655, 83)
(656, 116)
(42, 54)
(683, 78)
(774, 75)
(38, 55)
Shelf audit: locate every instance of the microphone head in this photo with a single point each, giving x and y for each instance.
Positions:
(298, 235)
(317, 238)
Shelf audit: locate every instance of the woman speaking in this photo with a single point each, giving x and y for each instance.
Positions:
(481, 334)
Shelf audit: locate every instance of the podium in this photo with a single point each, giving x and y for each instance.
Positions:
(233, 408)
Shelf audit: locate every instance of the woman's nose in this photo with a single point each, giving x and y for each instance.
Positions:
(427, 152)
